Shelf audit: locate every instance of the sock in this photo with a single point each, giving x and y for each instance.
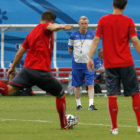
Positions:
(113, 110)
(91, 102)
(136, 106)
(61, 109)
(3, 89)
(78, 101)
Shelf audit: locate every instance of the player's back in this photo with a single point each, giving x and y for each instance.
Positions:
(39, 45)
(39, 36)
(116, 31)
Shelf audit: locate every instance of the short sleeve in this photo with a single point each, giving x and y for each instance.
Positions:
(71, 41)
(46, 25)
(132, 29)
(99, 29)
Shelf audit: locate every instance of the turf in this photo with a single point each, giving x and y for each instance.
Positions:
(35, 118)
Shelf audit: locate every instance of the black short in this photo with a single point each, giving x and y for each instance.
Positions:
(126, 75)
(44, 80)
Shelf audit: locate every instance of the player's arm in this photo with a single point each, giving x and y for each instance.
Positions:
(70, 44)
(92, 51)
(136, 43)
(17, 60)
(56, 27)
(70, 50)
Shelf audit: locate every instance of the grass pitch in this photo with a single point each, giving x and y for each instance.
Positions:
(36, 118)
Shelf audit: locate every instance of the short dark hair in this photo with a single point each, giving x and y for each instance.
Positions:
(48, 16)
(120, 4)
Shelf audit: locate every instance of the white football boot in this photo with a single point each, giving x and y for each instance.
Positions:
(114, 131)
(138, 129)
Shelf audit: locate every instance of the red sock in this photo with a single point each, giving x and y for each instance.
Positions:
(61, 109)
(3, 89)
(136, 106)
(113, 110)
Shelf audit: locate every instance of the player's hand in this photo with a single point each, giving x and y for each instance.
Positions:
(90, 64)
(68, 27)
(11, 70)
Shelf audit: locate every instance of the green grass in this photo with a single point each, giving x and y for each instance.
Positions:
(23, 112)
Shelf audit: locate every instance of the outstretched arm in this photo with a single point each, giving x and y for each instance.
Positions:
(92, 51)
(56, 27)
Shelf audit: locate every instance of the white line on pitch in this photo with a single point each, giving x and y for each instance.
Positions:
(42, 121)
(100, 124)
(80, 123)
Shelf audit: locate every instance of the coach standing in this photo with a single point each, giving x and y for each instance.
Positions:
(79, 46)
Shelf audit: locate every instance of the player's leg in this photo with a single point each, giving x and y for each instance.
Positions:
(130, 82)
(48, 83)
(89, 80)
(61, 109)
(113, 111)
(77, 98)
(24, 91)
(77, 81)
(55, 88)
(136, 108)
(21, 80)
(91, 97)
(113, 88)
(6, 89)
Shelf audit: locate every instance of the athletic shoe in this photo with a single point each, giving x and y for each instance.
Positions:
(79, 107)
(71, 123)
(92, 107)
(138, 129)
(114, 131)
(66, 128)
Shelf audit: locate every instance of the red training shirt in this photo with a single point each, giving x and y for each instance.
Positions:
(116, 30)
(39, 45)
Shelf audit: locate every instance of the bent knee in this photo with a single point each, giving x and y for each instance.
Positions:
(61, 94)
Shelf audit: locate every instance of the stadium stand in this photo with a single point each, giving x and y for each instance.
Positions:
(138, 73)
(62, 74)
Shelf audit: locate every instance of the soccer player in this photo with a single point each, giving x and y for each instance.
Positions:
(79, 46)
(116, 29)
(39, 46)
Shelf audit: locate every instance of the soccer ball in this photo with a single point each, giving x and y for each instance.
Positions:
(70, 120)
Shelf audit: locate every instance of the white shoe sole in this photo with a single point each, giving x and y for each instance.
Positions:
(114, 132)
